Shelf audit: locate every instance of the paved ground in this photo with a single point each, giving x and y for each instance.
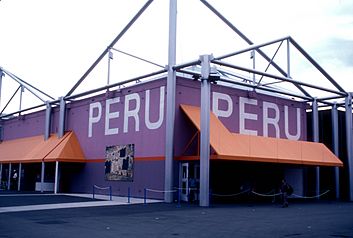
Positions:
(301, 219)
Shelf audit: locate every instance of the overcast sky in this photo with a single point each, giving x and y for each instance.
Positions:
(50, 44)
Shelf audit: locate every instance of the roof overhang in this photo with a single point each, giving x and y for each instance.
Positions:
(35, 149)
(233, 146)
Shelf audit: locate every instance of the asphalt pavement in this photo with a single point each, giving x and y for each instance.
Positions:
(158, 219)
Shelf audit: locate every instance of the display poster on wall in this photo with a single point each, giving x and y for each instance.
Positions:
(119, 162)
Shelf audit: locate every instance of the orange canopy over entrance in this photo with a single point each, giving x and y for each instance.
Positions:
(232, 146)
(36, 149)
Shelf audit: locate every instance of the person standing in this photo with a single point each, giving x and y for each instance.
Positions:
(284, 192)
(193, 190)
(14, 180)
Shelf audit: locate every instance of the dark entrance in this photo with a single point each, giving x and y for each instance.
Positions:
(234, 181)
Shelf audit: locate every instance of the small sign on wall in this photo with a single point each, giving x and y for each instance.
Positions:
(119, 162)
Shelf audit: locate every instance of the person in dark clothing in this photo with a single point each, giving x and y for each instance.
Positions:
(193, 190)
(284, 193)
(14, 180)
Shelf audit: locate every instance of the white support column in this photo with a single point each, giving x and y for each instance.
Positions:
(334, 117)
(61, 131)
(253, 54)
(349, 134)
(42, 177)
(205, 131)
(288, 58)
(315, 121)
(21, 95)
(170, 116)
(1, 75)
(56, 184)
(110, 57)
(19, 177)
(47, 121)
(9, 178)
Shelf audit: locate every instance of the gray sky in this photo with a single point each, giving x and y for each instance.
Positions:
(51, 43)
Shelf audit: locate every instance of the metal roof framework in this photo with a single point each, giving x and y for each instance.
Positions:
(22, 86)
(226, 73)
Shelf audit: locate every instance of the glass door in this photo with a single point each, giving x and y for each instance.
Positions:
(184, 181)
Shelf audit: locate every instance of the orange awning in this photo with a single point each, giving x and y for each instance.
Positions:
(233, 146)
(36, 149)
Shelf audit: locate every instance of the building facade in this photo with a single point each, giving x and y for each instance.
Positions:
(132, 120)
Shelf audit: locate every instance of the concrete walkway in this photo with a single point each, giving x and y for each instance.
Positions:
(87, 201)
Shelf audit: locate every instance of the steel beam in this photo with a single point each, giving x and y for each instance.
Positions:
(1, 75)
(27, 85)
(269, 63)
(230, 25)
(315, 123)
(139, 58)
(8, 102)
(252, 47)
(334, 116)
(205, 131)
(170, 116)
(21, 96)
(316, 65)
(273, 90)
(61, 131)
(24, 110)
(110, 57)
(47, 121)
(349, 134)
(24, 85)
(285, 79)
(121, 34)
(288, 58)
(115, 84)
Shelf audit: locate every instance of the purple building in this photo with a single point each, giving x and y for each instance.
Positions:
(192, 131)
(136, 116)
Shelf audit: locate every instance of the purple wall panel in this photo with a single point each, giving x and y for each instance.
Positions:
(24, 126)
(147, 174)
(148, 142)
(188, 92)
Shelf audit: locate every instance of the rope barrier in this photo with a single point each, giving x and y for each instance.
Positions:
(270, 192)
(155, 191)
(266, 195)
(230, 195)
(316, 196)
(161, 191)
(293, 195)
(102, 188)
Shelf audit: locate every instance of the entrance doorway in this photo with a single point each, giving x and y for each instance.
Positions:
(189, 178)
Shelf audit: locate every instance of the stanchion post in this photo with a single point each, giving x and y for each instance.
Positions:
(210, 197)
(179, 197)
(93, 191)
(128, 195)
(188, 194)
(144, 195)
(110, 193)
